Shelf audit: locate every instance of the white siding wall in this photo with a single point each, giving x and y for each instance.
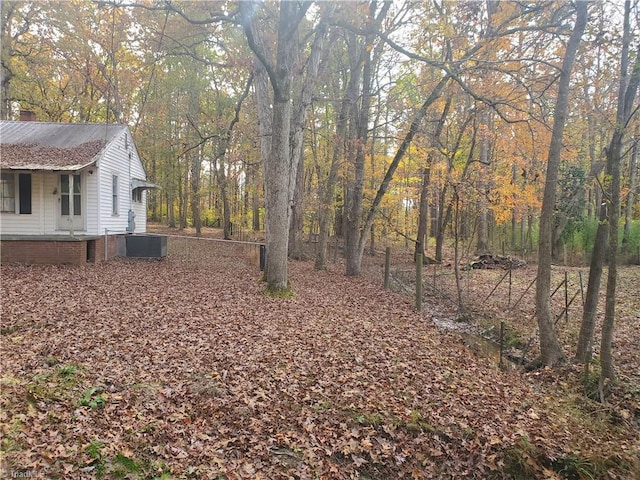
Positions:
(50, 203)
(90, 201)
(140, 210)
(120, 158)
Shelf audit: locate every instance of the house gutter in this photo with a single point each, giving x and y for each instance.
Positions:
(51, 168)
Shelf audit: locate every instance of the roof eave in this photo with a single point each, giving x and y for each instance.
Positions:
(51, 168)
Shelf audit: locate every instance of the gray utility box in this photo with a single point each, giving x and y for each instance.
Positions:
(146, 246)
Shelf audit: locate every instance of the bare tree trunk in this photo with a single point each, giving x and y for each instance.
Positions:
(184, 199)
(7, 12)
(550, 351)
(223, 185)
(424, 187)
(606, 228)
(171, 216)
(423, 211)
(445, 213)
(195, 190)
(628, 211)
(482, 247)
(402, 149)
(456, 250)
(353, 234)
(318, 49)
(626, 97)
(585, 337)
(327, 189)
(263, 101)
(514, 219)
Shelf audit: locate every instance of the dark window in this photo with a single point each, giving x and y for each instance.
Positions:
(24, 185)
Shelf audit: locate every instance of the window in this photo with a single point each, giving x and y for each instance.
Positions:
(8, 193)
(136, 195)
(114, 190)
(66, 196)
(24, 182)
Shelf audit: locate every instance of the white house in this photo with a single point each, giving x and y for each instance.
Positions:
(66, 186)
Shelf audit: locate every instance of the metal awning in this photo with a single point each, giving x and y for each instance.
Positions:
(143, 184)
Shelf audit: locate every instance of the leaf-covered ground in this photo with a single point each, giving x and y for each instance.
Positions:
(183, 368)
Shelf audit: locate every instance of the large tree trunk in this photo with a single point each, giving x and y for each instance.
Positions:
(254, 185)
(550, 351)
(277, 195)
(279, 171)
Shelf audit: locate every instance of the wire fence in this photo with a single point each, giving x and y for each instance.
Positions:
(507, 290)
(496, 291)
(206, 252)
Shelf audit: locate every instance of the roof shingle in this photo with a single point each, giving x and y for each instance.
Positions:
(52, 146)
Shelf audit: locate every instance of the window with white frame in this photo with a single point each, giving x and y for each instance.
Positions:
(8, 192)
(136, 195)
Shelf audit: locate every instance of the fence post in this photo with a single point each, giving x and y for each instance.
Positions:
(419, 282)
(581, 288)
(501, 344)
(435, 267)
(263, 256)
(566, 297)
(106, 245)
(509, 300)
(387, 263)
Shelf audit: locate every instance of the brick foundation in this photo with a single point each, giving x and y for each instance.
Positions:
(49, 251)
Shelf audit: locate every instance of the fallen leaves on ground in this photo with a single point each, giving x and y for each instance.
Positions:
(184, 368)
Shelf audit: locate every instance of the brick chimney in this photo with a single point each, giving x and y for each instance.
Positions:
(27, 116)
